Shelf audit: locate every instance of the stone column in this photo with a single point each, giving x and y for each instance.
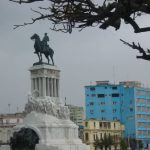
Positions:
(50, 89)
(57, 85)
(51, 85)
(40, 87)
(35, 80)
(44, 86)
(47, 87)
(55, 88)
(45, 79)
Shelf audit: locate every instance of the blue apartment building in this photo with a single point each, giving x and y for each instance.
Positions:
(127, 102)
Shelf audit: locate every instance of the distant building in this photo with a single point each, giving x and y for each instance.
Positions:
(95, 129)
(7, 122)
(127, 102)
(76, 114)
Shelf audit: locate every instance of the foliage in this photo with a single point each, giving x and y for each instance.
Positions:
(23, 139)
(106, 142)
(135, 143)
(69, 14)
(123, 144)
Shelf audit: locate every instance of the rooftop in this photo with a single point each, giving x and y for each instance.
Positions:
(124, 83)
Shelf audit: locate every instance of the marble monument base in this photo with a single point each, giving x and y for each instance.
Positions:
(54, 133)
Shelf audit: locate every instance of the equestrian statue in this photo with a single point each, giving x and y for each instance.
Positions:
(42, 47)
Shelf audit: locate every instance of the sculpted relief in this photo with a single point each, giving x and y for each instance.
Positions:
(46, 106)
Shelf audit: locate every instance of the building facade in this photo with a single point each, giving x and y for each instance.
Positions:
(127, 102)
(76, 114)
(95, 129)
(7, 122)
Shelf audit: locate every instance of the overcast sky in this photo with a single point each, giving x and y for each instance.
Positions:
(83, 57)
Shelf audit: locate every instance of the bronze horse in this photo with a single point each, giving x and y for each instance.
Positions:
(40, 49)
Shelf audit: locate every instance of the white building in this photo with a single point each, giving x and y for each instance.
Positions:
(7, 122)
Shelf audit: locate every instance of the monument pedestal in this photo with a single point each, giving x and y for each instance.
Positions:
(53, 133)
(46, 115)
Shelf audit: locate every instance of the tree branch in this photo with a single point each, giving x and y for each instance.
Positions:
(84, 13)
(27, 1)
(140, 49)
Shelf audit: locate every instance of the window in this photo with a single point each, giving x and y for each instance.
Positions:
(94, 137)
(93, 95)
(102, 110)
(92, 88)
(91, 103)
(131, 109)
(91, 111)
(86, 136)
(7, 121)
(86, 124)
(114, 103)
(102, 103)
(94, 124)
(114, 87)
(105, 124)
(100, 95)
(114, 125)
(100, 124)
(18, 120)
(115, 95)
(114, 110)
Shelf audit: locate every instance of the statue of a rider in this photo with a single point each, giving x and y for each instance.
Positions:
(42, 47)
(45, 40)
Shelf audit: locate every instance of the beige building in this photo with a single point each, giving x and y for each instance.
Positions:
(7, 122)
(95, 129)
